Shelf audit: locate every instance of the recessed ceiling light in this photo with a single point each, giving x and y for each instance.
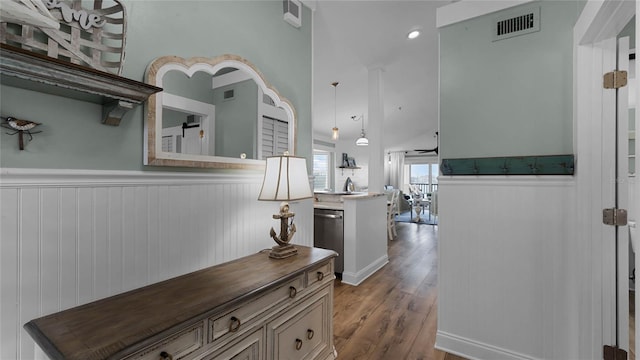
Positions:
(413, 34)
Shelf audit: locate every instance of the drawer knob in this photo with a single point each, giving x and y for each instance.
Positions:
(310, 334)
(292, 292)
(166, 356)
(234, 324)
(298, 344)
(320, 275)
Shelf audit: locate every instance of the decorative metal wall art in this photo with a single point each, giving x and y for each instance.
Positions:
(93, 37)
(27, 12)
(20, 127)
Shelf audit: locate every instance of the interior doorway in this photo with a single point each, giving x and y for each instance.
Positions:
(602, 181)
(628, 140)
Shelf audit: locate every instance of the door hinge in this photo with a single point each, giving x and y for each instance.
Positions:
(615, 217)
(613, 353)
(615, 79)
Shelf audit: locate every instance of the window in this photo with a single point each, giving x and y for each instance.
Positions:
(425, 176)
(433, 179)
(321, 170)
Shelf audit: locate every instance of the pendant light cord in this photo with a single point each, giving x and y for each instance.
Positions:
(334, 131)
(335, 103)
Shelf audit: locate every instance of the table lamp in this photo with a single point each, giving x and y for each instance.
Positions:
(285, 179)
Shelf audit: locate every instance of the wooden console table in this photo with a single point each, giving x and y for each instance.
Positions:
(250, 308)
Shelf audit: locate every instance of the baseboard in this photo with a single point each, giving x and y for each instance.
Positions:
(357, 278)
(471, 349)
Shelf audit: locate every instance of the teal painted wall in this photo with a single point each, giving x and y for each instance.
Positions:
(196, 87)
(172, 118)
(511, 97)
(630, 31)
(73, 136)
(236, 120)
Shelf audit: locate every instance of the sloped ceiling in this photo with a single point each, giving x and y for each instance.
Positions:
(351, 37)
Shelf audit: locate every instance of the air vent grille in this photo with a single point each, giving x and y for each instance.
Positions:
(515, 24)
(291, 7)
(519, 23)
(192, 119)
(228, 94)
(292, 12)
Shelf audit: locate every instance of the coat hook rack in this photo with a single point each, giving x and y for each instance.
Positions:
(534, 166)
(504, 167)
(511, 165)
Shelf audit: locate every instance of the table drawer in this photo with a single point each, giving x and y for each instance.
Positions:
(250, 347)
(176, 346)
(303, 335)
(235, 320)
(320, 273)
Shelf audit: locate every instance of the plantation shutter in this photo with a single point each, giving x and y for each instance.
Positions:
(275, 137)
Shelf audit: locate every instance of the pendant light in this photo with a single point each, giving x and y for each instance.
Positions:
(362, 140)
(334, 131)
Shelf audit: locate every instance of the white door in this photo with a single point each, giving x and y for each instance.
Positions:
(609, 244)
(614, 194)
(622, 195)
(603, 305)
(634, 193)
(193, 141)
(190, 140)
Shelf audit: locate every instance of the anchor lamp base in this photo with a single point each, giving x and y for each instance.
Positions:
(281, 252)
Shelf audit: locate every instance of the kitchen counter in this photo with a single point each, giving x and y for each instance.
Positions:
(365, 231)
(362, 195)
(328, 205)
(335, 200)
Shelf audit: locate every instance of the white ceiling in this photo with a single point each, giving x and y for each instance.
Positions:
(351, 37)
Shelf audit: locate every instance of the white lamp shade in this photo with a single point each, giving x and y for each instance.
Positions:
(362, 141)
(285, 179)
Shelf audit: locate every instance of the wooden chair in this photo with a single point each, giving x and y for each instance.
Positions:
(392, 210)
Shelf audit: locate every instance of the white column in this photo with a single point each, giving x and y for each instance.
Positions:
(374, 130)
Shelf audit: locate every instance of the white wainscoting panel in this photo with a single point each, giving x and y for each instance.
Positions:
(505, 280)
(71, 237)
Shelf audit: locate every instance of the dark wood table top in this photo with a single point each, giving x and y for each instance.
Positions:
(137, 318)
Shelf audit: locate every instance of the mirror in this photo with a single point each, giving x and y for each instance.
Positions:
(215, 113)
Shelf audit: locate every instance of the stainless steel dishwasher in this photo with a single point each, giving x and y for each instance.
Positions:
(328, 233)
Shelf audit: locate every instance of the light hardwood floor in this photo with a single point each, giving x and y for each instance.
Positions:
(392, 314)
(632, 325)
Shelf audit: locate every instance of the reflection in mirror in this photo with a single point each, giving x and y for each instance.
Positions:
(215, 112)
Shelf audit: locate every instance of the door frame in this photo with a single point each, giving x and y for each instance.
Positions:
(599, 20)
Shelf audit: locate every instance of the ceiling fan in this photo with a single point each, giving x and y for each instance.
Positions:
(426, 151)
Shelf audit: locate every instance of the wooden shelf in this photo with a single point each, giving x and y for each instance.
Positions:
(33, 71)
(349, 167)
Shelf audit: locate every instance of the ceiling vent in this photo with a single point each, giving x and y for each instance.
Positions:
(512, 24)
(292, 12)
